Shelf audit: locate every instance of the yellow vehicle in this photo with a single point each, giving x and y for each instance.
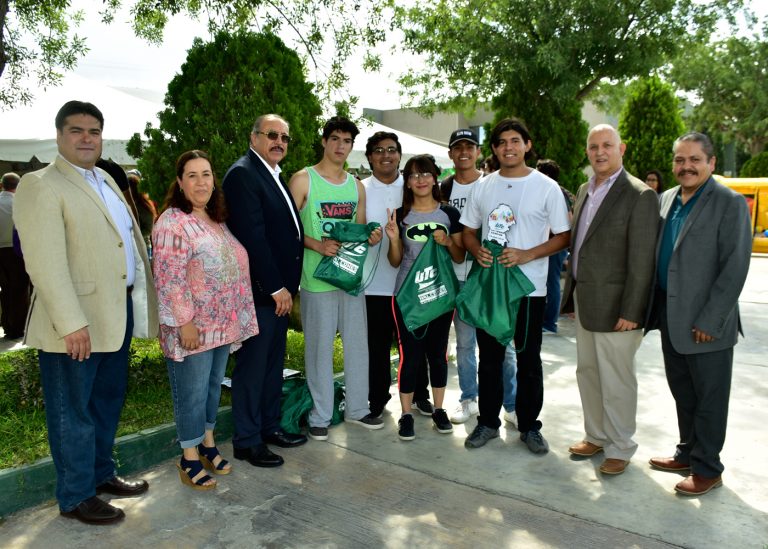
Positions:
(755, 191)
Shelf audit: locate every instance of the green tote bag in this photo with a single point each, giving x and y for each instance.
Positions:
(491, 296)
(345, 269)
(430, 287)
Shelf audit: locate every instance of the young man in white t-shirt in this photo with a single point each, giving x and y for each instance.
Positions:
(517, 207)
(464, 150)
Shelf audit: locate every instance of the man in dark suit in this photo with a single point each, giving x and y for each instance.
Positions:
(703, 250)
(263, 217)
(615, 221)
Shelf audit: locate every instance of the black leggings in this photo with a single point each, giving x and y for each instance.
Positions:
(434, 345)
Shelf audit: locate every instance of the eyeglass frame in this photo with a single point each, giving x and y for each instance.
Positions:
(416, 176)
(272, 135)
(382, 150)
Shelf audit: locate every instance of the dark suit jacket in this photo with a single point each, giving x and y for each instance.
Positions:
(707, 269)
(616, 261)
(261, 220)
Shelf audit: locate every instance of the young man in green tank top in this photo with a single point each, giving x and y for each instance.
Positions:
(326, 194)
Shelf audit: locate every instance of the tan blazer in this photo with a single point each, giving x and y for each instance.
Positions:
(616, 259)
(74, 256)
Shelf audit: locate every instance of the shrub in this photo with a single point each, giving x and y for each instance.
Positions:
(757, 166)
(148, 401)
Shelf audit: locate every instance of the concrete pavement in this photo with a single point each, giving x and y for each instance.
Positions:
(369, 489)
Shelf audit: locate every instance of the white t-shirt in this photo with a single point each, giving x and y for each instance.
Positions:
(378, 197)
(459, 197)
(518, 212)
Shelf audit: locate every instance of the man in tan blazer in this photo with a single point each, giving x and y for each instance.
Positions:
(615, 221)
(93, 290)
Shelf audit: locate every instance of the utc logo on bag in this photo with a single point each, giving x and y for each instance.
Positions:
(348, 257)
(426, 279)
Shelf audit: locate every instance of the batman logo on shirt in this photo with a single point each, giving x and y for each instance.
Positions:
(420, 231)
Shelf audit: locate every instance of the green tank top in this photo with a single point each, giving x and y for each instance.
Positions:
(327, 203)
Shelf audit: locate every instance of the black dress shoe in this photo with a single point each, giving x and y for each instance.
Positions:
(118, 486)
(95, 511)
(258, 456)
(284, 440)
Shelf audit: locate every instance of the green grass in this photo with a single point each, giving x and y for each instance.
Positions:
(148, 400)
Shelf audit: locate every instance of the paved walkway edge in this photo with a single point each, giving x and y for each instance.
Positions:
(33, 484)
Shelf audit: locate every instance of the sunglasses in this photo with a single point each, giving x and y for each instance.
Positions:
(272, 135)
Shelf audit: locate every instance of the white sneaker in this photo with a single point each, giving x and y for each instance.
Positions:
(465, 410)
(511, 417)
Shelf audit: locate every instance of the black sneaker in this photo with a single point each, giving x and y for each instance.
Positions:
(535, 441)
(424, 407)
(479, 436)
(441, 422)
(318, 433)
(405, 428)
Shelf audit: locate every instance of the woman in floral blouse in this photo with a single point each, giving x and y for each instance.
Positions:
(206, 309)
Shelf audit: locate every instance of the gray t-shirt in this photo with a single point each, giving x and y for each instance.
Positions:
(415, 229)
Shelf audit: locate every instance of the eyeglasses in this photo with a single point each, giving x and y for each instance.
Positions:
(382, 150)
(417, 176)
(272, 135)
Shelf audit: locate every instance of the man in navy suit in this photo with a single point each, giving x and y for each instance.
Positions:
(263, 217)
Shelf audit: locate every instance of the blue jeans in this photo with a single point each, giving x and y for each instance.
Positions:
(552, 308)
(466, 364)
(196, 390)
(83, 401)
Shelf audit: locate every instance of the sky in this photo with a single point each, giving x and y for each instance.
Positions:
(118, 58)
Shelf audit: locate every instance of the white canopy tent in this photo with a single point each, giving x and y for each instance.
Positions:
(410, 144)
(29, 130)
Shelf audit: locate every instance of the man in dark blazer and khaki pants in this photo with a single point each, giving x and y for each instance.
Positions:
(263, 217)
(703, 250)
(615, 221)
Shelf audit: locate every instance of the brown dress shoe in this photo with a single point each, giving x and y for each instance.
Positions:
(613, 466)
(118, 486)
(585, 448)
(669, 464)
(696, 485)
(95, 511)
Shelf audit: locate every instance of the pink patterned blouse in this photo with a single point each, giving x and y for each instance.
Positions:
(200, 275)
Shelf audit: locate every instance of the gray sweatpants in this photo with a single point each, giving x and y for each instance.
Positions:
(322, 314)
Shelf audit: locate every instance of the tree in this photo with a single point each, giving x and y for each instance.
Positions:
(542, 57)
(553, 48)
(212, 104)
(35, 41)
(730, 78)
(318, 25)
(757, 166)
(649, 124)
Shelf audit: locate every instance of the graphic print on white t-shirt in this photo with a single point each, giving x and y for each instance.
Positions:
(500, 220)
